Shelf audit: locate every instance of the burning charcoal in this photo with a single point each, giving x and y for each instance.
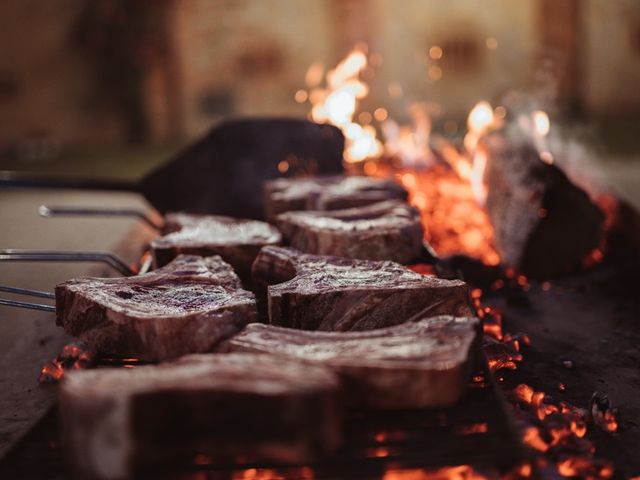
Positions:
(602, 412)
(389, 230)
(328, 193)
(74, 356)
(568, 364)
(124, 423)
(313, 292)
(236, 241)
(186, 307)
(544, 224)
(413, 365)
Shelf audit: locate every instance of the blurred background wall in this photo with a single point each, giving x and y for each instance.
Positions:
(84, 74)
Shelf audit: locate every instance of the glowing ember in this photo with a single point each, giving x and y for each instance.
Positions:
(463, 472)
(74, 356)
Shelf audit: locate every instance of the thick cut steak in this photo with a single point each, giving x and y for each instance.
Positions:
(328, 193)
(413, 365)
(389, 230)
(186, 307)
(313, 292)
(122, 423)
(237, 241)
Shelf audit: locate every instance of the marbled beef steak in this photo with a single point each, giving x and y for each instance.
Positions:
(237, 241)
(120, 423)
(314, 292)
(389, 230)
(186, 307)
(413, 365)
(328, 193)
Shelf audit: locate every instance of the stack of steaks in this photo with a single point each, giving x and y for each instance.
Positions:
(185, 307)
(237, 241)
(390, 230)
(314, 292)
(327, 193)
(343, 319)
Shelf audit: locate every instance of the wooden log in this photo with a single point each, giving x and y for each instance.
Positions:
(544, 224)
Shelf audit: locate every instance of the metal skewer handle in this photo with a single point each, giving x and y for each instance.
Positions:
(110, 259)
(32, 293)
(69, 211)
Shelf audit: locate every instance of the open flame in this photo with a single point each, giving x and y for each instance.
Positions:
(338, 101)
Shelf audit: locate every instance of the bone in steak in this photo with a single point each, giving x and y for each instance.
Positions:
(186, 307)
(237, 241)
(389, 230)
(314, 292)
(413, 365)
(121, 423)
(328, 193)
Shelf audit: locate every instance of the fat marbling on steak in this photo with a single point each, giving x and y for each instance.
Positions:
(315, 292)
(419, 364)
(123, 423)
(185, 307)
(328, 193)
(390, 230)
(237, 241)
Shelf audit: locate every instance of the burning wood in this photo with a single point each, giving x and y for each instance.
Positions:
(314, 292)
(544, 224)
(119, 423)
(384, 231)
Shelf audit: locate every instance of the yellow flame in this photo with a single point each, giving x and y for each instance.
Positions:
(337, 104)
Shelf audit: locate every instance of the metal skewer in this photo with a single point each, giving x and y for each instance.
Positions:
(66, 256)
(25, 291)
(32, 293)
(59, 211)
(32, 306)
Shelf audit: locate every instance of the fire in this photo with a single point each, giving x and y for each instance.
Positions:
(446, 185)
(337, 103)
(74, 356)
(462, 472)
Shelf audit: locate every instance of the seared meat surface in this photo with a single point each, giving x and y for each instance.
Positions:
(328, 193)
(314, 292)
(187, 306)
(390, 230)
(237, 241)
(121, 423)
(413, 365)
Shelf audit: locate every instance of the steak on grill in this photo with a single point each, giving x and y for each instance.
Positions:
(389, 230)
(237, 241)
(419, 364)
(121, 423)
(186, 307)
(313, 292)
(328, 193)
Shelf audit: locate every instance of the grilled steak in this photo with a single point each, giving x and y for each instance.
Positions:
(120, 423)
(313, 292)
(413, 365)
(389, 230)
(186, 307)
(328, 193)
(236, 241)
